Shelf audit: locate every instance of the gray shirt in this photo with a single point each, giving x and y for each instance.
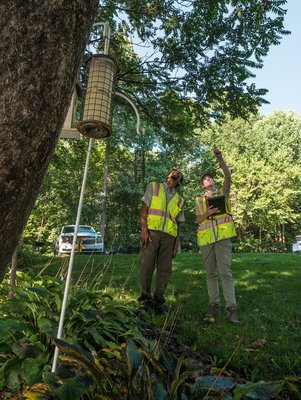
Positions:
(170, 192)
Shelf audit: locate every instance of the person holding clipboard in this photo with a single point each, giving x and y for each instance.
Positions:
(215, 230)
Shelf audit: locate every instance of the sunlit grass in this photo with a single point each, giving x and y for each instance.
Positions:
(267, 343)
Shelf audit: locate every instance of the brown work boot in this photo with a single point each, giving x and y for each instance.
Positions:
(214, 309)
(231, 315)
(158, 305)
(145, 302)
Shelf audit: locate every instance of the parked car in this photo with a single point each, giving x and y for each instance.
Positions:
(297, 245)
(88, 240)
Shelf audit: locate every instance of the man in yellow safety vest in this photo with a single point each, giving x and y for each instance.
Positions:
(215, 230)
(160, 217)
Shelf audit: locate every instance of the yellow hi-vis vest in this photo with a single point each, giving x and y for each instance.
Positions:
(216, 228)
(162, 216)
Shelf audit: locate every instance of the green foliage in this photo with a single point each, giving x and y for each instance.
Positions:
(268, 299)
(199, 55)
(105, 355)
(30, 319)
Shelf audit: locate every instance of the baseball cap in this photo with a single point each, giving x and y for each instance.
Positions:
(206, 174)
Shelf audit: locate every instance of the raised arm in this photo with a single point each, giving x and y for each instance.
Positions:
(224, 167)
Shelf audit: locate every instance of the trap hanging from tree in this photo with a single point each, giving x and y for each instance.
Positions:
(102, 71)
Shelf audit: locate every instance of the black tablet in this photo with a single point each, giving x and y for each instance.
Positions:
(218, 202)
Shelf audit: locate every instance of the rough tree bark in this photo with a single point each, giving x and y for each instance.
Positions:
(41, 44)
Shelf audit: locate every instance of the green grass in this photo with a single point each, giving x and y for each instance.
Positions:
(267, 343)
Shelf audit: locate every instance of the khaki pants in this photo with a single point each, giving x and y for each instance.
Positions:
(157, 254)
(217, 260)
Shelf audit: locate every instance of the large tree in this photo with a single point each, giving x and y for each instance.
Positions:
(41, 44)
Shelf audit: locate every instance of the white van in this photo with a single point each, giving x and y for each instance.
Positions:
(297, 245)
(88, 240)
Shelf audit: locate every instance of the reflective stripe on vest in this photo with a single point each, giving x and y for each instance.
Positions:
(162, 216)
(219, 227)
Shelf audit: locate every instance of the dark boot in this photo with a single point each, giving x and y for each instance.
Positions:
(145, 301)
(232, 315)
(158, 305)
(214, 310)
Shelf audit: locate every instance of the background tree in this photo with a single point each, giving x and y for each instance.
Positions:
(264, 155)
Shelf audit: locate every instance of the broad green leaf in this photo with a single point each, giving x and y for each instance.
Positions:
(2, 378)
(24, 349)
(58, 300)
(11, 373)
(70, 390)
(217, 383)
(149, 345)
(39, 392)
(4, 328)
(74, 349)
(5, 348)
(13, 325)
(99, 339)
(168, 360)
(159, 392)
(51, 379)
(47, 325)
(134, 358)
(41, 291)
(178, 381)
(260, 390)
(179, 365)
(92, 315)
(20, 306)
(43, 358)
(31, 371)
(80, 355)
(153, 361)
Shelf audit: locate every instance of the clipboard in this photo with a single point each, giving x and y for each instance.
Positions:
(217, 202)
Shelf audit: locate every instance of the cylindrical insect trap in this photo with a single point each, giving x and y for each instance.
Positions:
(97, 116)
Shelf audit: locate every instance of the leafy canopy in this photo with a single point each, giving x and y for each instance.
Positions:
(203, 52)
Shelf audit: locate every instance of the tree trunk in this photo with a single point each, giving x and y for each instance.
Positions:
(41, 44)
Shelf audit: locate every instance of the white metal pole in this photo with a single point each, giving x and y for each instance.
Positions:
(107, 35)
(68, 280)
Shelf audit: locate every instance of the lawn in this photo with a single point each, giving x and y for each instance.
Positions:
(265, 345)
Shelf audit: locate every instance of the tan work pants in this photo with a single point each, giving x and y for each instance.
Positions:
(157, 254)
(217, 260)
